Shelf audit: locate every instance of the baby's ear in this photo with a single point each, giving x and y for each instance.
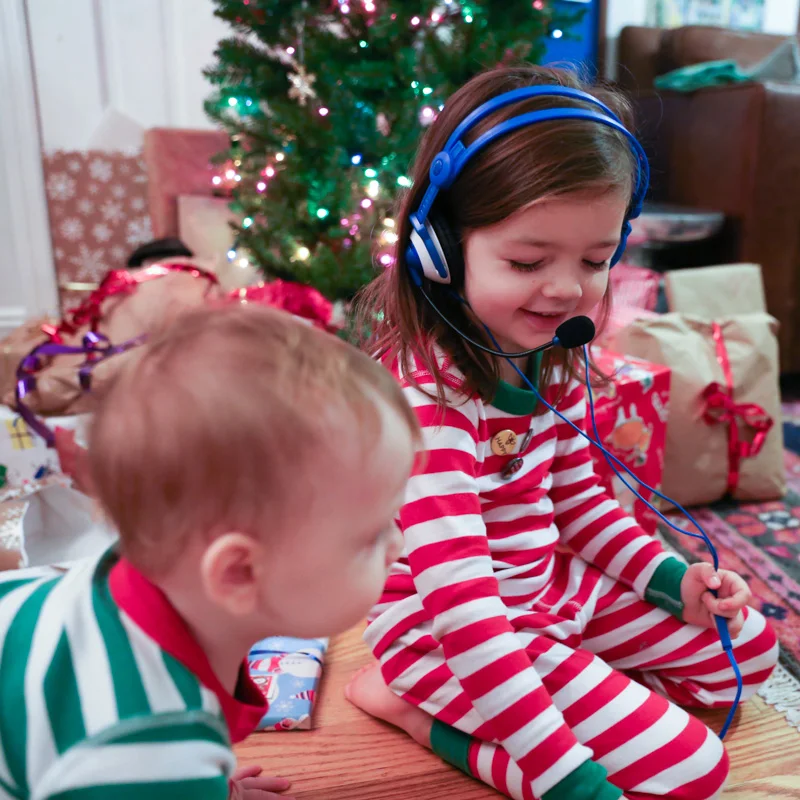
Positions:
(228, 570)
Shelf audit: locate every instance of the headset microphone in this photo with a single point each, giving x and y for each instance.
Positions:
(574, 332)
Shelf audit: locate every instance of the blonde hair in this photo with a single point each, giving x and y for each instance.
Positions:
(218, 421)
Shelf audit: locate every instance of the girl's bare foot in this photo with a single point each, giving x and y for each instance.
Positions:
(368, 691)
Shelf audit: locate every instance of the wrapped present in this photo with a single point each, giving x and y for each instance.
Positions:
(287, 671)
(25, 458)
(631, 416)
(619, 319)
(75, 354)
(722, 437)
(634, 287)
(304, 302)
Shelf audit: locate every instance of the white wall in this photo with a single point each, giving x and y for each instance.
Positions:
(139, 58)
(27, 282)
(780, 17)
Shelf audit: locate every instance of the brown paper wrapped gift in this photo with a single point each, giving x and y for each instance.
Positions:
(721, 291)
(124, 316)
(698, 465)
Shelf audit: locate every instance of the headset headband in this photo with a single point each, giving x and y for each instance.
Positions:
(448, 164)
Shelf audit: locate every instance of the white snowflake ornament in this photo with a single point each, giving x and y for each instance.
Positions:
(302, 86)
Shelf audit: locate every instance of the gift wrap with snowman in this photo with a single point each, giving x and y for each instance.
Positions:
(287, 671)
(631, 414)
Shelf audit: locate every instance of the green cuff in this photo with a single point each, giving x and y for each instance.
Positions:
(451, 745)
(588, 782)
(664, 589)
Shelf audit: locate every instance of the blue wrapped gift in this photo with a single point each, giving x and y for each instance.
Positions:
(287, 671)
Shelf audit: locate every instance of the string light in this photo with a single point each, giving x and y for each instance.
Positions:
(356, 159)
(323, 112)
(558, 33)
(231, 255)
(388, 222)
(269, 172)
(345, 8)
(216, 180)
(303, 253)
(390, 237)
(238, 178)
(366, 202)
(435, 17)
(248, 102)
(290, 50)
(362, 44)
(427, 114)
(386, 260)
(261, 186)
(403, 181)
(538, 4)
(369, 6)
(230, 174)
(373, 189)
(232, 101)
(280, 156)
(370, 173)
(427, 90)
(322, 213)
(243, 262)
(345, 222)
(415, 21)
(247, 222)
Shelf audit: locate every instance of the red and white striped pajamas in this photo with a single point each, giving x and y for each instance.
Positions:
(488, 624)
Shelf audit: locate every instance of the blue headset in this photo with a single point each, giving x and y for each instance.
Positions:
(434, 248)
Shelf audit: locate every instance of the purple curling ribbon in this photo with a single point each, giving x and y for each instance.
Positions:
(95, 347)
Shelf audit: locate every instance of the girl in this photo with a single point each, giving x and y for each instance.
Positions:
(538, 638)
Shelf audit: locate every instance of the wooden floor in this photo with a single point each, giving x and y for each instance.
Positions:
(350, 756)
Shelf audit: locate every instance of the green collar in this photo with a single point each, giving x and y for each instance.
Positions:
(516, 400)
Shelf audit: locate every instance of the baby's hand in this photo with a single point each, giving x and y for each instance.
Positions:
(247, 784)
(700, 606)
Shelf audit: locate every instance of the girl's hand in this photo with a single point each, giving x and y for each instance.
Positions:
(700, 606)
(247, 784)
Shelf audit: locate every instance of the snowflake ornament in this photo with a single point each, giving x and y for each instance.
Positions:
(302, 86)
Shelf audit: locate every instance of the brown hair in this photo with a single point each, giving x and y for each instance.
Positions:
(543, 160)
(218, 421)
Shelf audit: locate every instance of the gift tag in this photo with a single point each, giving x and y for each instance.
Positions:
(503, 443)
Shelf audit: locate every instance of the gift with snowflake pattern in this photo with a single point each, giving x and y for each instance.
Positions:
(97, 202)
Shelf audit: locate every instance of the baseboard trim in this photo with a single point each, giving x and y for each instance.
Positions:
(11, 317)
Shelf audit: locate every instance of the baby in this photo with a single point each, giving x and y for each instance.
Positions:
(253, 467)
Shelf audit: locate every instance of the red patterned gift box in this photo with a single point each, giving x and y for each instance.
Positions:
(99, 215)
(631, 414)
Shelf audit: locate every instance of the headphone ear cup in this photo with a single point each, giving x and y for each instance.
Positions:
(450, 244)
(623, 242)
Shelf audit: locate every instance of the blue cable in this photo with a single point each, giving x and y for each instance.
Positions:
(613, 462)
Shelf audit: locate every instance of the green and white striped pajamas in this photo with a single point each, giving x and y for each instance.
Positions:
(92, 706)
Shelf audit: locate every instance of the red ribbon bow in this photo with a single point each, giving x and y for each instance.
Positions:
(720, 408)
(117, 281)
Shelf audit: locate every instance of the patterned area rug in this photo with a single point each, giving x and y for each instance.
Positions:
(761, 541)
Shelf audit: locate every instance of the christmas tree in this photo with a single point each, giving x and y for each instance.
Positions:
(325, 102)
